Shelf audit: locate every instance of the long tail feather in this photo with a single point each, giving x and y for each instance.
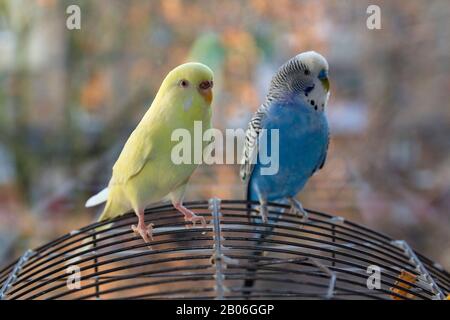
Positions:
(261, 237)
(97, 199)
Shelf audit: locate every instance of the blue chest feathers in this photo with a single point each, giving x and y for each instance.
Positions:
(303, 139)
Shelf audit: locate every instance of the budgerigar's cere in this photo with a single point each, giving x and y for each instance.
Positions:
(144, 172)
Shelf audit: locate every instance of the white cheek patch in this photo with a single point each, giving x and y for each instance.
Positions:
(317, 98)
(188, 103)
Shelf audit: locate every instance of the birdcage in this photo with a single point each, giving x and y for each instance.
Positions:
(233, 257)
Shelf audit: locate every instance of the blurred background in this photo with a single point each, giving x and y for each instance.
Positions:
(70, 98)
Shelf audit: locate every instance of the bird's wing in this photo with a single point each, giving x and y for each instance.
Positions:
(251, 138)
(324, 156)
(135, 154)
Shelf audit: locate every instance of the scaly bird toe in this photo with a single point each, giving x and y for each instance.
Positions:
(146, 232)
(297, 208)
(189, 216)
(194, 218)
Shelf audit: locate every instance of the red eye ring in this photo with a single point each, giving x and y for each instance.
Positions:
(183, 83)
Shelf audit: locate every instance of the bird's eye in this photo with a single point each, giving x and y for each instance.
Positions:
(183, 83)
(307, 72)
(206, 85)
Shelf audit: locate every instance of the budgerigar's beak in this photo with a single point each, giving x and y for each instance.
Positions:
(205, 90)
(323, 77)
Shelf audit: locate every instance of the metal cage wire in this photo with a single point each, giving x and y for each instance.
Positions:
(324, 257)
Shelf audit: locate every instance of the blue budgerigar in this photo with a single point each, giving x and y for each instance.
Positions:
(295, 109)
(295, 105)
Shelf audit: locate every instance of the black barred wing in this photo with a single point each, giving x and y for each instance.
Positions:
(251, 142)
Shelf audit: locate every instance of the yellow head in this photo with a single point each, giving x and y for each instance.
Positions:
(189, 81)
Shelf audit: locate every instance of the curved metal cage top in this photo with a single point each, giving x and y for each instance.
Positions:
(323, 257)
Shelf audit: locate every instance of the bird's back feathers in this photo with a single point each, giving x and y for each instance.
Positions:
(303, 141)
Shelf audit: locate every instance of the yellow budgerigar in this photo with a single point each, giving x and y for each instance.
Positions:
(144, 173)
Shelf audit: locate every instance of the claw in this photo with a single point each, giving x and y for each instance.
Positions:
(194, 218)
(146, 232)
(189, 216)
(297, 209)
(263, 212)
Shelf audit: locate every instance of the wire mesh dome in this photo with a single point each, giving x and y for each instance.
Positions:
(322, 257)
